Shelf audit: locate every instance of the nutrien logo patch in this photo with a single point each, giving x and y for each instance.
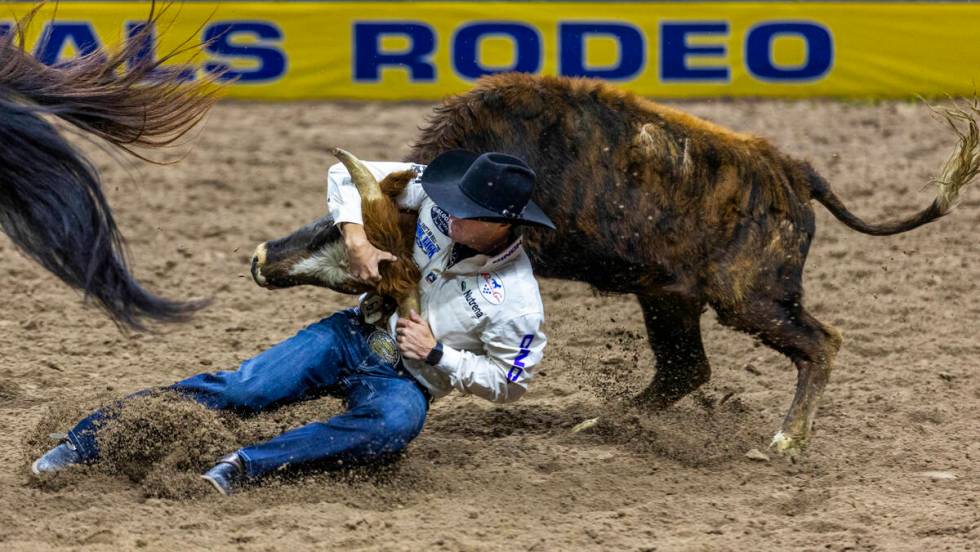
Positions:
(491, 287)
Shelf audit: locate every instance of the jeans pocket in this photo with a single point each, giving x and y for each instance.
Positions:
(372, 365)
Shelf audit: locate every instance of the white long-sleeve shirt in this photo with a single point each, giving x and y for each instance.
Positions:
(486, 311)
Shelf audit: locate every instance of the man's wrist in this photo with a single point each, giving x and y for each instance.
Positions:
(435, 355)
(353, 233)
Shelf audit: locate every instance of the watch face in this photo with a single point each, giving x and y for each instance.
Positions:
(383, 345)
(435, 355)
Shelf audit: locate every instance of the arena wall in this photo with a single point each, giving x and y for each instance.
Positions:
(423, 51)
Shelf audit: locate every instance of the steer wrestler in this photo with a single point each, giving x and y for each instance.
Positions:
(480, 334)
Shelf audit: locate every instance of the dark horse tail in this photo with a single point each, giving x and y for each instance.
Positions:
(960, 169)
(51, 200)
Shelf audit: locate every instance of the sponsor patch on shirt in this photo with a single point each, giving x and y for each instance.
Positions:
(491, 287)
(468, 295)
(440, 219)
(425, 240)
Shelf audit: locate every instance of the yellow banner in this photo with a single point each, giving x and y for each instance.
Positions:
(398, 51)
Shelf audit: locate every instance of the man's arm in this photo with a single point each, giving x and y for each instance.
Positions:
(513, 348)
(344, 203)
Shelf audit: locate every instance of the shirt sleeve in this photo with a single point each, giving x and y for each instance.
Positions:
(513, 348)
(344, 201)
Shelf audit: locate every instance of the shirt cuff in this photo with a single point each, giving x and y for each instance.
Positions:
(355, 218)
(450, 360)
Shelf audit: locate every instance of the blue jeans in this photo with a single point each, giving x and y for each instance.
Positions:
(386, 406)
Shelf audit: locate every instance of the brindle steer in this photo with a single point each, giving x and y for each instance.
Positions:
(681, 212)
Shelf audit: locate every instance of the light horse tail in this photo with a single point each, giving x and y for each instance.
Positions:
(51, 200)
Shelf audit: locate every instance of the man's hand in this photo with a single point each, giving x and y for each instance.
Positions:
(364, 257)
(415, 339)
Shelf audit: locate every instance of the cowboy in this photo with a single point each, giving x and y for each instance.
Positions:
(480, 331)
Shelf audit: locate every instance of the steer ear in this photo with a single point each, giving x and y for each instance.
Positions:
(366, 184)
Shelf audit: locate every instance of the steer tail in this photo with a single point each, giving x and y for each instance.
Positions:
(51, 201)
(960, 169)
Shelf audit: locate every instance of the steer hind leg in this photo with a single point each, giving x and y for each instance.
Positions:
(674, 330)
(788, 328)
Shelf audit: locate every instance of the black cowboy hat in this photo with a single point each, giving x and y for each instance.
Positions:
(491, 186)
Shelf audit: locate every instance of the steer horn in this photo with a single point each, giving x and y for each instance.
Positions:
(382, 223)
(366, 184)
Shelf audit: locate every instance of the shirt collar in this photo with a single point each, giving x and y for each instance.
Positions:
(486, 263)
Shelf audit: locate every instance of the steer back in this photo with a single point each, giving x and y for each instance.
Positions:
(315, 254)
(649, 199)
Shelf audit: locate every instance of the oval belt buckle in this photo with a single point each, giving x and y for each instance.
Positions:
(383, 345)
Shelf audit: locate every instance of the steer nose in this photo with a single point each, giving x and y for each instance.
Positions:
(258, 260)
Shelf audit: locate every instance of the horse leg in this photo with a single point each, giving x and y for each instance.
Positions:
(674, 330)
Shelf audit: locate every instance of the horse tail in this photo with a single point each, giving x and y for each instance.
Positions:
(51, 200)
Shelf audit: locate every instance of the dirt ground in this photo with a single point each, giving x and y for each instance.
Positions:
(904, 399)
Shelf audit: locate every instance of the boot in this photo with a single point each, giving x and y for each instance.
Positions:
(60, 457)
(228, 475)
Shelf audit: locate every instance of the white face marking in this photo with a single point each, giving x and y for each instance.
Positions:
(260, 254)
(328, 265)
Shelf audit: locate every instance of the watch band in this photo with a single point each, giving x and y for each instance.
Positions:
(435, 355)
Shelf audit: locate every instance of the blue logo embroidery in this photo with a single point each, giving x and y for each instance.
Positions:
(518, 368)
(425, 241)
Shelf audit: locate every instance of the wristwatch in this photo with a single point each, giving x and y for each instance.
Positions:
(435, 355)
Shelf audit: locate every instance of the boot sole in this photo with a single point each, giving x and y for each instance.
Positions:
(216, 486)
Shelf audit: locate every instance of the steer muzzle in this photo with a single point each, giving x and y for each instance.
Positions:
(313, 255)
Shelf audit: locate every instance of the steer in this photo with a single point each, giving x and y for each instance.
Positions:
(652, 201)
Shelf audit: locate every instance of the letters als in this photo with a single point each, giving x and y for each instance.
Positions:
(262, 54)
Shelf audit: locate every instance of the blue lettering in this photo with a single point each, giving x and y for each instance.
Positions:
(424, 241)
(674, 51)
(369, 59)
(144, 54)
(5, 29)
(572, 55)
(518, 368)
(270, 60)
(759, 58)
(57, 35)
(466, 47)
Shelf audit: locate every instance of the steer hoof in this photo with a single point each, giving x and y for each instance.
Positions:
(587, 425)
(787, 445)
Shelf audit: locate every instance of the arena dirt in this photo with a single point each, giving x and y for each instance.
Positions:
(904, 400)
